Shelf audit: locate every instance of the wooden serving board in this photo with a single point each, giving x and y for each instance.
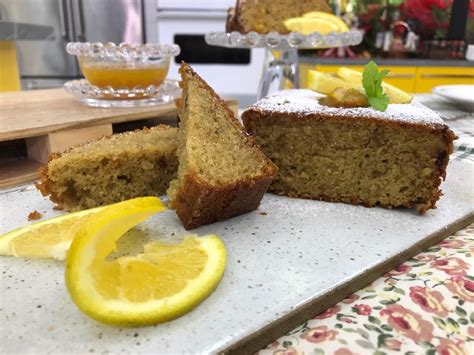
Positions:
(284, 266)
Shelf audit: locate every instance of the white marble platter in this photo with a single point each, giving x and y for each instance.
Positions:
(286, 261)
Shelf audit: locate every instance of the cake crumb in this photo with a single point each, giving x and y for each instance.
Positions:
(32, 216)
(263, 213)
(57, 208)
(50, 328)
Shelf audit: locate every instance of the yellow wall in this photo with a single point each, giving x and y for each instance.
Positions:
(410, 79)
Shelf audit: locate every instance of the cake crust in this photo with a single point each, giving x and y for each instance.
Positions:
(300, 108)
(198, 202)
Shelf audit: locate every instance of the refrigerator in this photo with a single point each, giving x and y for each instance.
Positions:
(45, 64)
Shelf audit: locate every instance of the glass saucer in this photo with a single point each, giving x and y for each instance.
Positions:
(109, 97)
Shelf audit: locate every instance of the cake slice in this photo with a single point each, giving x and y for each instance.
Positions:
(265, 16)
(222, 172)
(112, 169)
(395, 158)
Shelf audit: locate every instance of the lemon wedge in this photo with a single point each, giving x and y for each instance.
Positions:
(329, 17)
(307, 26)
(160, 284)
(326, 84)
(395, 95)
(46, 239)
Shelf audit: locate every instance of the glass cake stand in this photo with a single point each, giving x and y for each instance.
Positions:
(280, 70)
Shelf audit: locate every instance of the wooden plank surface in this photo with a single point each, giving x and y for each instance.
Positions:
(32, 113)
(17, 173)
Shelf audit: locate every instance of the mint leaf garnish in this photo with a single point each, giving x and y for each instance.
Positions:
(379, 103)
(372, 83)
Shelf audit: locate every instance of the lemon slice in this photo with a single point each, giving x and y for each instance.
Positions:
(329, 17)
(395, 95)
(309, 25)
(46, 239)
(326, 84)
(162, 283)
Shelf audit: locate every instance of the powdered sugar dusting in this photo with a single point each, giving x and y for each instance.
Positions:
(305, 103)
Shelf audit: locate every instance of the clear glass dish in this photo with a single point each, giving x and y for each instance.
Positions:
(134, 73)
(109, 97)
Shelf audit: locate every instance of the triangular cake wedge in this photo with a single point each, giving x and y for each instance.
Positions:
(222, 172)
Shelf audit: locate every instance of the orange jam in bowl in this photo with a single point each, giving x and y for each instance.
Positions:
(122, 75)
(123, 72)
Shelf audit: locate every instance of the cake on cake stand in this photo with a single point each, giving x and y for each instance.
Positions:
(280, 70)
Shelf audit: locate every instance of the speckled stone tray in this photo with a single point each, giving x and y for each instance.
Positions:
(287, 261)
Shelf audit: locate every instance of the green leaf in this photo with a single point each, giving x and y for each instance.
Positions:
(349, 330)
(460, 312)
(471, 317)
(388, 288)
(378, 352)
(440, 323)
(364, 344)
(381, 339)
(368, 297)
(287, 344)
(363, 333)
(338, 326)
(372, 83)
(387, 302)
(318, 351)
(386, 328)
(369, 77)
(453, 323)
(431, 352)
(469, 277)
(342, 341)
(379, 102)
(372, 328)
(374, 320)
(399, 291)
(463, 321)
(426, 344)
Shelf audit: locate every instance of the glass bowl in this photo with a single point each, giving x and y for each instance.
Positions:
(124, 71)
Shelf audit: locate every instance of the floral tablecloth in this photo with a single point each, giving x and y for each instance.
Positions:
(424, 306)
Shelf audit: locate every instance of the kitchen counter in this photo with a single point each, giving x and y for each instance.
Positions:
(388, 61)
